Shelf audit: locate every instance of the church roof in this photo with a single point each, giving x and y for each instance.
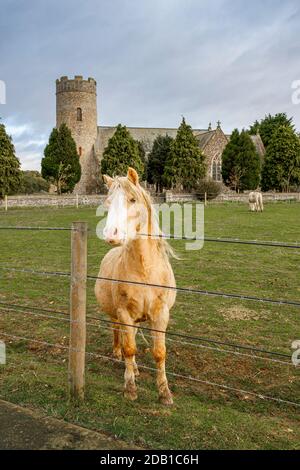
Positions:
(258, 144)
(204, 138)
(152, 129)
(148, 134)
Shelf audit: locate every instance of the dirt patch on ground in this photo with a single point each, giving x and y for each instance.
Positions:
(241, 313)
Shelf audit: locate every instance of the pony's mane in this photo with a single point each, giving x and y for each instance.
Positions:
(144, 197)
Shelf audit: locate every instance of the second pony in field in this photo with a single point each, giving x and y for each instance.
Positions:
(139, 259)
(256, 201)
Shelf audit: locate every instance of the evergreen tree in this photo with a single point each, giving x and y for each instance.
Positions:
(185, 165)
(142, 154)
(230, 174)
(281, 167)
(121, 152)
(240, 162)
(61, 161)
(249, 162)
(254, 129)
(157, 160)
(267, 126)
(10, 173)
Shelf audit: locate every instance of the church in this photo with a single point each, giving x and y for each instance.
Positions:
(76, 106)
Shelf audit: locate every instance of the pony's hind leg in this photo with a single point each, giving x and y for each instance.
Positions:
(129, 350)
(159, 353)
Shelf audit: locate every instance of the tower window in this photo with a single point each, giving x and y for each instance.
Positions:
(79, 114)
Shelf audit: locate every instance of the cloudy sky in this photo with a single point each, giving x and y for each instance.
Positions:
(154, 61)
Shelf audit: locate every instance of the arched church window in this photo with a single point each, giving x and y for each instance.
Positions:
(216, 171)
(79, 114)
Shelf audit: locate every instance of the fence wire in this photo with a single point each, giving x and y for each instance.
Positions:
(25, 308)
(268, 243)
(225, 295)
(172, 374)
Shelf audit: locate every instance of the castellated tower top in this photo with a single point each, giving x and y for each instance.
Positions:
(76, 84)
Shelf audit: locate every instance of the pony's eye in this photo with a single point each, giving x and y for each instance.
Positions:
(132, 200)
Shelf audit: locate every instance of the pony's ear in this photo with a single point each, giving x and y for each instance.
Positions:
(107, 180)
(133, 176)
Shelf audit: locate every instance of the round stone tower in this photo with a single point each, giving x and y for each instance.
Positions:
(76, 106)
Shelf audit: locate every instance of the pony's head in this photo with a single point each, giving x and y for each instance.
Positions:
(129, 209)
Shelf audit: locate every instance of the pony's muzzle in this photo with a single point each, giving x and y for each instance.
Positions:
(113, 236)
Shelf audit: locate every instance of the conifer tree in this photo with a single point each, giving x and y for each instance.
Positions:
(281, 167)
(229, 161)
(10, 173)
(240, 162)
(185, 165)
(267, 126)
(157, 160)
(121, 152)
(143, 158)
(61, 161)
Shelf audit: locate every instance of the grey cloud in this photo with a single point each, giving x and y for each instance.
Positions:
(154, 61)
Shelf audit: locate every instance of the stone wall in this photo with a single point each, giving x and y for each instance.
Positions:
(267, 197)
(55, 201)
(95, 200)
(179, 197)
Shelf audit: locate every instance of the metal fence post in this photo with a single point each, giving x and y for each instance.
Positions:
(78, 310)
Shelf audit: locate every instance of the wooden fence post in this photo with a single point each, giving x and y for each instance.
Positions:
(205, 199)
(5, 202)
(78, 310)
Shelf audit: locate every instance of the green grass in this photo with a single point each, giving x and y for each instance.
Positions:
(203, 416)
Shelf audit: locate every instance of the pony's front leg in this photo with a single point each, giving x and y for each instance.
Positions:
(135, 367)
(129, 350)
(117, 350)
(159, 353)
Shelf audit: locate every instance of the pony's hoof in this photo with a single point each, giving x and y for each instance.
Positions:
(166, 400)
(130, 395)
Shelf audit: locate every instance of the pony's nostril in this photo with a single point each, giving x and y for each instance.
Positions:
(115, 231)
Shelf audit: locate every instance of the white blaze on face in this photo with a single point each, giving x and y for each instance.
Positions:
(115, 230)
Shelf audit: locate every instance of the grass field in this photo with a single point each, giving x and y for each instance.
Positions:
(203, 416)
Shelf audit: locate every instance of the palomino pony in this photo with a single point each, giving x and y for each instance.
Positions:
(138, 259)
(256, 201)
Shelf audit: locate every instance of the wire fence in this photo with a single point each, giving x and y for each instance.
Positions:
(28, 310)
(267, 243)
(186, 340)
(225, 295)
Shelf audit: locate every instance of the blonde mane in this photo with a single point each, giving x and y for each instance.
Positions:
(144, 197)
